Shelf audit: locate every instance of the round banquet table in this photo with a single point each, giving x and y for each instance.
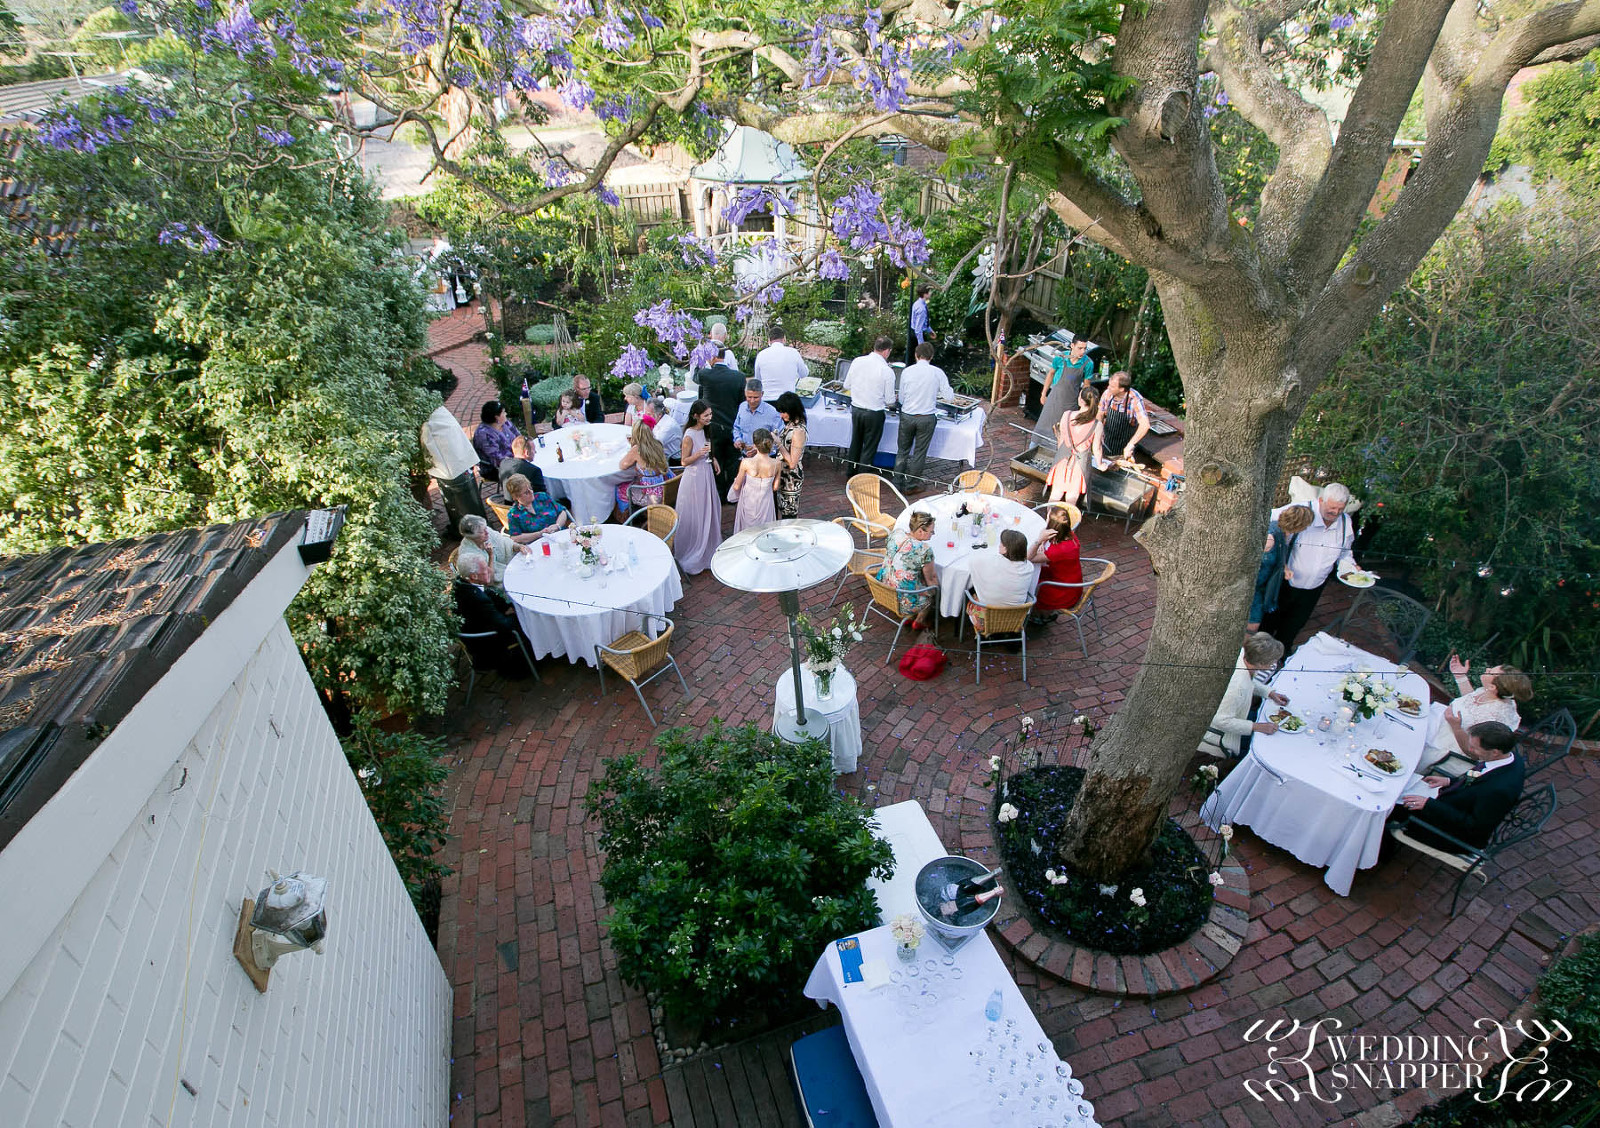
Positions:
(565, 614)
(588, 480)
(952, 551)
(839, 710)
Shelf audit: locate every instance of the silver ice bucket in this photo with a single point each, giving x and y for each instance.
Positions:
(953, 931)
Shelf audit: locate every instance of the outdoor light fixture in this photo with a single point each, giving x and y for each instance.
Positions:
(290, 915)
(321, 530)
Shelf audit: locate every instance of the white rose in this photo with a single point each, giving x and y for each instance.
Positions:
(1008, 812)
(994, 763)
(1137, 897)
(1216, 878)
(838, 632)
(1027, 722)
(1050, 876)
(1226, 832)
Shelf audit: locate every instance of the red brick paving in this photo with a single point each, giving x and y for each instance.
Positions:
(546, 1033)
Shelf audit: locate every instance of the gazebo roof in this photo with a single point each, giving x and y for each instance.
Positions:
(749, 156)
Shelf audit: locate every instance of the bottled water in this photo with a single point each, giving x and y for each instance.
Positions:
(996, 1003)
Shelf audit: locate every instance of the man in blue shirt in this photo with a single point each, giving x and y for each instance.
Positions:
(919, 323)
(754, 415)
(1067, 375)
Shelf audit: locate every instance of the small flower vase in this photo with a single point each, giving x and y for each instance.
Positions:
(906, 950)
(824, 684)
(585, 570)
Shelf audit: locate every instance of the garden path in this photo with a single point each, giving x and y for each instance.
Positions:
(546, 1033)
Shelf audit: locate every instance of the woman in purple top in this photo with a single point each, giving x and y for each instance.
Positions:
(492, 439)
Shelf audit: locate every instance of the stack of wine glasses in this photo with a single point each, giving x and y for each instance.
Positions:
(1029, 1086)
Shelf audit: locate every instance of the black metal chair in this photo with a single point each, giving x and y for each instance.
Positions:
(1400, 616)
(1524, 821)
(1547, 741)
(472, 665)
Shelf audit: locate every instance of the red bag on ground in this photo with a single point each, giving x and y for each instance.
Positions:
(923, 662)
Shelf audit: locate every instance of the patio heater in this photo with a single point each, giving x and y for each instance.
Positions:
(785, 557)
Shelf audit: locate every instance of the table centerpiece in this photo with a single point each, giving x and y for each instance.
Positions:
(825, 649)
(587, 538)
(1365, 693)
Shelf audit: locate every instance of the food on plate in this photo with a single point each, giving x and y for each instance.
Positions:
(1382, 760)
(1359, 578)
(1410, 706)
(1287, 721)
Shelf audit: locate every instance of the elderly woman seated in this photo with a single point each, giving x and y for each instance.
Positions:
(533, 512)
(1233, 726)
(480, 542)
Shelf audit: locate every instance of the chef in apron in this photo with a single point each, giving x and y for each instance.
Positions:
(1124, 418)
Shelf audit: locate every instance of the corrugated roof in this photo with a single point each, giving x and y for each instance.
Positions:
(27, 101)
(86, 631)
(749, 156)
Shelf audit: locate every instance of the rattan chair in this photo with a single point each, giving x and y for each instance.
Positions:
(501, 511)
(977, 481)
(662, 520)
(1085, 604)
(641, 496)
(472, 667)
(1001, 623)
(670, 495)
(634, 654)
(1043, 509)
(886, 605)
(862, 560)
(865, 493)
(1524, 821)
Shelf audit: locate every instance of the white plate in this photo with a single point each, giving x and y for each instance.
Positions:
(1305, 726)
(1359, 579)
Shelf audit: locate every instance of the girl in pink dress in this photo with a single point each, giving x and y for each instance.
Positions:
(758, 477)
(699, 511)
(1077, 437)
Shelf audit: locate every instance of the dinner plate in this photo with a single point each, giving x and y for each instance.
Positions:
(1305, 726)
(1358, 579)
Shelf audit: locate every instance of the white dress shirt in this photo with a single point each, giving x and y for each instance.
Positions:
(921, 385)
(780, 367)
(1233, 714)
(1000, 582)
(1319, 549)
(670, 432)
(870, 382)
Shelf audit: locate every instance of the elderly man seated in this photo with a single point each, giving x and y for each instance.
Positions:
(485, 611)
(753, 416)
(1235, 723)
(494, 548)
(1471, 807)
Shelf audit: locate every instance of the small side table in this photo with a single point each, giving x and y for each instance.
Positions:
(839, 710)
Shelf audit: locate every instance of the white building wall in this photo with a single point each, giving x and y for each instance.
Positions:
(136, 997)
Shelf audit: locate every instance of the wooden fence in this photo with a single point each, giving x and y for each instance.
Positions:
(651, 204)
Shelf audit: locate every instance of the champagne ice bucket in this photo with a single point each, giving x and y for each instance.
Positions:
(952, 932)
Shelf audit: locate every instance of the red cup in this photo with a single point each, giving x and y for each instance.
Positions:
(546, 547)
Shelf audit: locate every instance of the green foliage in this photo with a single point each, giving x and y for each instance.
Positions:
(1555, 132)
(105, 54)
(828, 333)
(152, 385)
(540, 334)
(1468, 416)
(402, 777)
(729, 867)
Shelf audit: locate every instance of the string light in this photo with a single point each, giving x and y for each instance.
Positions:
(1485, 571)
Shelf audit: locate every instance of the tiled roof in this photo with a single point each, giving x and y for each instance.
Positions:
(86, 631)
(17, 208)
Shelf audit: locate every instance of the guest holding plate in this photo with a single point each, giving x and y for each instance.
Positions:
(1235, 722)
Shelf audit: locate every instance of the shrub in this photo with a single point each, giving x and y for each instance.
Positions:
(829, 333)
(402, 777)
(540, 334)
(730, 866)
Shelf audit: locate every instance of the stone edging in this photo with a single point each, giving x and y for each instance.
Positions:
(1197, 960)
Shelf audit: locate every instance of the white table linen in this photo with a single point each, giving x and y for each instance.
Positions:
(1295, 790)
(568, 615)
(952, 550)
(952, 440)
(840, 710)
(906, 828)
(588, 480)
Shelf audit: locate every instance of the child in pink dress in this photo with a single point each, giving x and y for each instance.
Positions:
(758, 477)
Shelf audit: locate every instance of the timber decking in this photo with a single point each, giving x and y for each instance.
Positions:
(744, 1084)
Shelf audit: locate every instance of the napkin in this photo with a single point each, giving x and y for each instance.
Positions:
(875, 974)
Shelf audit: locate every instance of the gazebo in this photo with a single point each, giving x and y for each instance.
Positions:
(749, 158)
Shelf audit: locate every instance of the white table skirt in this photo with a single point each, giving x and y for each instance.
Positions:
(841, 711)
(952, 553)
(955, 441)
(563, 614)
(906, 828)
(588, 480)
(1294, 790)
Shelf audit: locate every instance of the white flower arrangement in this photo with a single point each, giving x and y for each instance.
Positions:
(826, 649)
(1027, 723)
(1209, 770)
(906, 929)
(1216, 878)
(994, 763)
(1137, 897)
(1366, 693)
(1007, 812)
(1226, 832)
(1055, 878)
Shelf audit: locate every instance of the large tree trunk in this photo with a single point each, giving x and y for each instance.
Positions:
(1233, 447)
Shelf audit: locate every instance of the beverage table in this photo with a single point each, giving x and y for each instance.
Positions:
(586, 472)
(953, 548)
(953, 440)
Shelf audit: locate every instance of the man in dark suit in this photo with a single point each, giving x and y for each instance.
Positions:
(483, 609)
(594, 410)
(723, 388)
(1472, 807)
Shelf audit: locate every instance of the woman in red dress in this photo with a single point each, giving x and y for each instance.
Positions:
(1058, 550)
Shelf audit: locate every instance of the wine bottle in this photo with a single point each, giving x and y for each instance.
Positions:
(966, 904)
(969, 887)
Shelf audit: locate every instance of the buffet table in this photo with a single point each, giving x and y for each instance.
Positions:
(1297, 790)
(828, 425)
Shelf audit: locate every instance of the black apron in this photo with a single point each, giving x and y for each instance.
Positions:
(1118, 428)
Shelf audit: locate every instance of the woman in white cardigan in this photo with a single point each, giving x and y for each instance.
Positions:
(1232, 727)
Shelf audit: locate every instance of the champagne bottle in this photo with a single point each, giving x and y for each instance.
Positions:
(966, 904)
(970, 887)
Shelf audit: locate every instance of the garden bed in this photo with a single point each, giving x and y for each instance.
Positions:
(1175, 886)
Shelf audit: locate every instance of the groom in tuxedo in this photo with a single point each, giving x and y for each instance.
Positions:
(1472, 807)
(723, 388)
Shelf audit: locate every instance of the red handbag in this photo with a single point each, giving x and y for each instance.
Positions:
(923, 662)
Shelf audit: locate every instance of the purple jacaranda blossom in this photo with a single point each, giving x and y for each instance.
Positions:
(242, 33)
(576, 93)
(575, 10)
(633, 364)
(614, 34)
(856, 218)
(649, 19)
(541, 33)
(742, 313)
(768, 295)
(616, 109)
(907, 245)
(755, 201)
(1342, 22)
(705, 354)
(672, 326)
(607, 196)
(696, 253)
(832, 266)
(196, 238)
(280, 137)
(556, 173)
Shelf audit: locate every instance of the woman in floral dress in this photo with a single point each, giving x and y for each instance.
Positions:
(791, 453)
(908, 565)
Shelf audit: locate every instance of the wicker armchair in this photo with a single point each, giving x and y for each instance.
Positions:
(865, 493)
(1085, 604)
(635, 654)
(977, 481)
(993, 624)
(886, 605)
(501, 511)
(862, 560)
(670, 496)
(662, 520)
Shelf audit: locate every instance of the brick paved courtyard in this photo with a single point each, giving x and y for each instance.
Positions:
(546, 1033)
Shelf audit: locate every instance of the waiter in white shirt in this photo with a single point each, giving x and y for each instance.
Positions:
(870, 383)
(452, 464)
(921, 387)
(780, 366)
(1317, 551)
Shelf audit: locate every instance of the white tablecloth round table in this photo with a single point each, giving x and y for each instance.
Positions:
(918, 1066)
(565, 614)
(953, 548)
(840, 710)
(1295, 790)
(587, 477)
(952, 440)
